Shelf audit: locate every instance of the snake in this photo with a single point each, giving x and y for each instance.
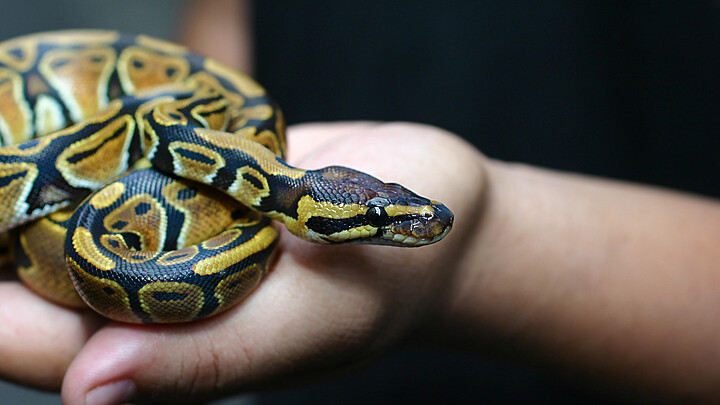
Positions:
(142, 179)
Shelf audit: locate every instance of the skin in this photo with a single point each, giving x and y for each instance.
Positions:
(285, 328)
(208, 25)
(608, 283)
(602, 290)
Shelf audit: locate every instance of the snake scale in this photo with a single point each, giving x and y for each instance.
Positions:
(150, 175)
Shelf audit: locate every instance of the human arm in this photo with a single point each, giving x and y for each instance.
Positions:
(608, 282)
(510, 289)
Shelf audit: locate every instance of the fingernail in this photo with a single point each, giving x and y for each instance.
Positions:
(114, 393)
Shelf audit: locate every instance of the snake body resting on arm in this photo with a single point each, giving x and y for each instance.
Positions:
(184, 158)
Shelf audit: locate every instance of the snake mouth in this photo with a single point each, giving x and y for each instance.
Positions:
(421, 230)
(410, 240)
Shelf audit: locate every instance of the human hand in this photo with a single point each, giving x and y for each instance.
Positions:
(321, 308)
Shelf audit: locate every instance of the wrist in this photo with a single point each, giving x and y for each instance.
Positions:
(498, 287)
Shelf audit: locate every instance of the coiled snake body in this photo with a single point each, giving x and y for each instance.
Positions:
(183, 158)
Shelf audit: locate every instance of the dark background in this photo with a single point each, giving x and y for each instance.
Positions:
(621, 89)
(626, 89)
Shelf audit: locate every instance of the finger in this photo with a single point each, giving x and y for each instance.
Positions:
(307, 139)
(38, 339)
(298, 321)
(319, 309)
(428, 160)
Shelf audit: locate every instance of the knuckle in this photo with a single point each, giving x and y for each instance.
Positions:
(215, 366)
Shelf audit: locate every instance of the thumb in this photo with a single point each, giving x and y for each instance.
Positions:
(282, 330)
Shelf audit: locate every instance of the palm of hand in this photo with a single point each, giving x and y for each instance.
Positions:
(321, 307)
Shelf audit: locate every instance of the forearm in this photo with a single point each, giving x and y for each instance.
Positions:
(608, 279)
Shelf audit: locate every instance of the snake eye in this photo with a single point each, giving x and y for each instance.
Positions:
(376, 216)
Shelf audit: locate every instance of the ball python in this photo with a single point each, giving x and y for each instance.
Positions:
(150, 175)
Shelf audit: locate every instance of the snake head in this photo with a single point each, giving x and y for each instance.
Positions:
(358, 208)
(413, 221)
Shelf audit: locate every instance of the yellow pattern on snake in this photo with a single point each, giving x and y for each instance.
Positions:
(152, 174)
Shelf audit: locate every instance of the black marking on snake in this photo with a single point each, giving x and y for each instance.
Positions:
(39, 198)
(198, 157)
(108, 290)
(169, 296)
(29, 144)
(75, 276)
(17, 52)
(58, 63)
(329, 226)
(176, 256)
(403, 218)
(223, 179)
(119, 225)
(82, 155)
(114, 88)
(136, 151)
(252, 179)
(285, 202)
(6, 180)
(186, 194)
(220, 109)
(142, 208)
(132, 241)
(235, 283)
